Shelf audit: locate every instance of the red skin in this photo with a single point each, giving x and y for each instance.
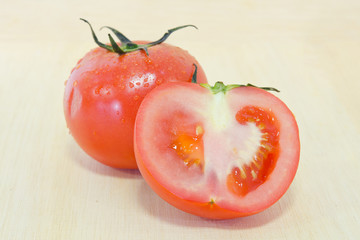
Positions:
(104, 92)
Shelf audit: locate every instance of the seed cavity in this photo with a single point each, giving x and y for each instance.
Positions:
(189, 147)
(247, 176)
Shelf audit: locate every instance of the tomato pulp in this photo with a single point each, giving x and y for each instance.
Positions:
(217, 155)
(105, 89)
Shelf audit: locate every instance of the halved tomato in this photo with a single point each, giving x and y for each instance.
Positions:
(216, 152)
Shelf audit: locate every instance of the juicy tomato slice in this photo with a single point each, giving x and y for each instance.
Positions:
(220, 155)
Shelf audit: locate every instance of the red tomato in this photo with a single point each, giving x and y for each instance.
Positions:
(105, 89)
(217, 153)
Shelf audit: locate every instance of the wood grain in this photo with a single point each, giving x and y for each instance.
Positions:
(310, 50)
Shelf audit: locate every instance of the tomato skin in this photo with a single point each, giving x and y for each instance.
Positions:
(105, 89)
(205, 210)
(258, 200)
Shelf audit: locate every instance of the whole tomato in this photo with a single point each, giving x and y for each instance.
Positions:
(106, 87)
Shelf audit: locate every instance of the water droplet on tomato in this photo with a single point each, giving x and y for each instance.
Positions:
(158, 81)
(131, 85)
(98, 90)
(146, 84)
(107, 90)
(136, 97)
(116, 107)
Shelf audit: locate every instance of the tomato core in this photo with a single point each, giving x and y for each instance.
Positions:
(248, 177)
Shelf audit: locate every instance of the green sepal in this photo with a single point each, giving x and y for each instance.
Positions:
(264, 88)
(221, 87)
(194, 76)
(114, 45)
(119, 35)
(166, 35)
(100, 44)
(126, 44)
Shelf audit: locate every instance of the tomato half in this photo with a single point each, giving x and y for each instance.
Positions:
(105, 89)
(216, 155)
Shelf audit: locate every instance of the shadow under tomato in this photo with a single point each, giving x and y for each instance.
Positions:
(78, 156)
(158, 208)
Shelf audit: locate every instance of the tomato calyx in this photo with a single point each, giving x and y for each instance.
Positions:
(126, 44)
(221, 87)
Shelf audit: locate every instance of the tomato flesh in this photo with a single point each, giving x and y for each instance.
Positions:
(216, 155)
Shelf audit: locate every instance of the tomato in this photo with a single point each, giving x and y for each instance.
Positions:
(216, 152)
(105, 89)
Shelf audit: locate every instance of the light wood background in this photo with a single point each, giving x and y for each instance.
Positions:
(310, 50)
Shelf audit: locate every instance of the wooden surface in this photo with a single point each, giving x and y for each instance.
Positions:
(310, 50)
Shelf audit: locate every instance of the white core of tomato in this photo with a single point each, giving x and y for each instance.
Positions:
(220, 115)
(227, 144)
(252, 143)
